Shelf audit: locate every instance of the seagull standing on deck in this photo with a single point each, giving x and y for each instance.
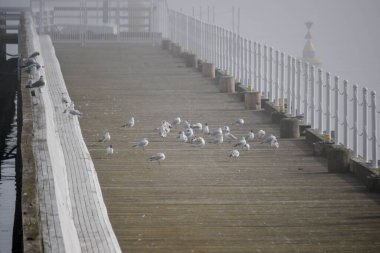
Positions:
(205, 129)
(239, 122)
(142, 144)
(261, 134)
(198, 142)
(241, 143)
(182, 136)
(176, 121)
(106, 137)
(158, 157)
(130, 123)
(109, 150)
(234, 154)
(250, 136)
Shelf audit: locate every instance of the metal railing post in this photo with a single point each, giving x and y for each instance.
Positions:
(374, 163)
(345, 113)
(355, 120)
(270, 95)
(298, 88)
(312, 94)
(282, 83)
(255, 66)
(246, 61)
(320, 102)
(265, 77)
(250, 64)
(277, 102)
(306, 94)
(293, 91)
(328, 105)
(289, 86)
(259, 77)
(365, 125)
(336, 116)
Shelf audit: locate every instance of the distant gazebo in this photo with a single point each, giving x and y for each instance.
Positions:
(309, 48)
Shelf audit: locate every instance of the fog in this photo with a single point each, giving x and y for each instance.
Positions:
(345, 32)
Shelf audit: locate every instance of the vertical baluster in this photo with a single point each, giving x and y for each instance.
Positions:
(282, 84)
(328, 106)
(365, 125)
(306, 94)
(246, 62)
(374, 129)
(270, 95)
(337, 123)
(259, 77)
(265, 78)
(345, 113)
(320, 102)
(234, 72)
(277, 102)
(230, 58)
(355, 120)
(242, 60)
(250, 64)
(255, 66)
(312, 91)
(293, 91)
(289, 83)
(298, 88)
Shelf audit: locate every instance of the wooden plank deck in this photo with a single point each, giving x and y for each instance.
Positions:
(198, 200)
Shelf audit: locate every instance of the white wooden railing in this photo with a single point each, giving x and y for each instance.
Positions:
(338, 110)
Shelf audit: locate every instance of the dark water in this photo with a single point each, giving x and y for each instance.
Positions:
(8, 190)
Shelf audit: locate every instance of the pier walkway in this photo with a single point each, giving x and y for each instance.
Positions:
(198, 199)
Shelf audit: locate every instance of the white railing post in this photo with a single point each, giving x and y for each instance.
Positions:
(270, 74)
(234, 72)
(328, 105)
(345, 113)
(250, 64)
(265, 78)
(320, 102)
(259, 77)
(306, 94)
(365, 125)
(289, 83)
(242, 60)
(374, 163)
(277, 102)
(312, 96)
(255, 66)
(230, 56)
(246, 61)
(355, 120)
(298, 88)
(336, 116)
(293, 91)
(282, 83)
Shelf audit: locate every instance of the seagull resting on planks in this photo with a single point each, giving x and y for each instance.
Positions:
(250, 136)
(176, 121)
(234, 154)
(205, 129)
(142, 144)
(106, 137)
(198, 142)
(246, 147)
(130, 123)
(182, 136)
(261, 134)
(239, 122)
(109, 150)
(158, 157)
(241, 143)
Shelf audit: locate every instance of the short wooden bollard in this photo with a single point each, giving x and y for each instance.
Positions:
(165, 44)
(277, 117)
(338, 159)
(252, 100)
(208, 70)
(199, 65)
(227, 84)
(289, 128)
(191, 60)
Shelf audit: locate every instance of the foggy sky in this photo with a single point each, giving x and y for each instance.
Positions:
(345, 32)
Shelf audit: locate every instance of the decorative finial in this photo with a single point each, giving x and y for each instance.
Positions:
(308, 24)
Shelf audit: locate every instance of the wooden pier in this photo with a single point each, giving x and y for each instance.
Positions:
(198, 199)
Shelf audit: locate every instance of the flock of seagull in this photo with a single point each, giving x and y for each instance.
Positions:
(191, 134)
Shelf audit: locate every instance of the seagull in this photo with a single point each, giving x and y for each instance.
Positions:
(182, 136)
(241, 143)
(109, 150)
(65, 99)
(206, 130)
(189, 132)
(269, 139)
(32, 66)
(218, 139)
(163, 131)
(158, 157)
(274, 144)
(176, 121)
(246, 147)
(130, 123)
(234, 153)
(37, 84)
(217, 132)
(226, 129)
(106, 137)
(72, 111)
(186, 124)
(198, 142)
(142, 144)
(229, 136)
(250, 136)
(196, 126)
(261, 134)
(239, 122)
(34, 55)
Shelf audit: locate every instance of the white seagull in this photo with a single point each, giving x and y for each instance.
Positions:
(274, 144)
(230, 137)
(189, 132)
(234, 153)
(158, 157)
(196, 126)
(239, 122)
(109, 150)
(198, 142)
(176, 121)
(261, 134)
(182, 136)
(142, 144)
(37, 84)
(226, 129)
(241, 143)
(246, 147)
(217, 139)
(206, 130)
(250, 136)
(130, 123)
(106, 137)
(217, 132)
(269, 139)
